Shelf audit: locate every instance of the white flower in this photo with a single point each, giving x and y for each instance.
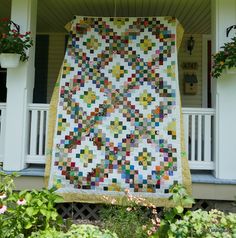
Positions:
(2, 196)
(3, 208)
(129, 209)
(21, 202)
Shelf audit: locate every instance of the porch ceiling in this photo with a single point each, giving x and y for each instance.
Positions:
(194, 15)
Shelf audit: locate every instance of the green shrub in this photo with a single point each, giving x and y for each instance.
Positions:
(75, 231)
(88, 231)
(135, 218)
(27, 211)
(203, 224)
(49, 233)
(181, 199)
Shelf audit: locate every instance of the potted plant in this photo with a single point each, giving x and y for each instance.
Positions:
(225, 59)
(13, 44)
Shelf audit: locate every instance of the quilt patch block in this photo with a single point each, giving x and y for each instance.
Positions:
(118, 122)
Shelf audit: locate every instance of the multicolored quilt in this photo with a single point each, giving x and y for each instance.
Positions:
(115, 119)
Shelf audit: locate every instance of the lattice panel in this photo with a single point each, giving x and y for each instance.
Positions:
(77, 211)
(81, 211)
(207, 205)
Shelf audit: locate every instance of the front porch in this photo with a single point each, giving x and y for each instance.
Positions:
(209, 133)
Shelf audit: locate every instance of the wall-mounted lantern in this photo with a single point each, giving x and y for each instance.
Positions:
(190, 44)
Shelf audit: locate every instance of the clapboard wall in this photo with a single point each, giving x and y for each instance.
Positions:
(195, 57)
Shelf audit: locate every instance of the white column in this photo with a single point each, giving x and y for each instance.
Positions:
(20, 84)
(224, 89)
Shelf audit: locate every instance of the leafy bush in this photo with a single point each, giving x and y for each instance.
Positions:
(88, 231)
(135, 218)
(49, 233)
(75, 231)
(203, 224)
(26, 211)
(181, 199)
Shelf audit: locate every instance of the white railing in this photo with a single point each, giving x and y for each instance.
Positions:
(198, 125)
(198, 129)
(2, 129)
(37, 139)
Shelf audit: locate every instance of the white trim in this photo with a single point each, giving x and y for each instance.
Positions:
(205, 39)
(36, 159)
(216, 137)
(198, 111)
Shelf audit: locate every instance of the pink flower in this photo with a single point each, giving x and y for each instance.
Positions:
(21, 202)
(3, 208)
(3, 195)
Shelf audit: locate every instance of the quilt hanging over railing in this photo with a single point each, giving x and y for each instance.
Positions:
(115, 115)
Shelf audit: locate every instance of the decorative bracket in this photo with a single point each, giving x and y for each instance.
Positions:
(16, 26)
(228, 29)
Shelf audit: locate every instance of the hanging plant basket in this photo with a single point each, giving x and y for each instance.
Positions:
(9, 60)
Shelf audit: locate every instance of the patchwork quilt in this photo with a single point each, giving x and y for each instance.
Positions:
(115, 120)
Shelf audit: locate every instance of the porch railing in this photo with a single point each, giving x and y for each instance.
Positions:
(198, 129)
(2, 129)
(37, 139)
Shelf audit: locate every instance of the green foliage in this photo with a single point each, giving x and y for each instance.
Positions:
(89, 231)
(226, 58)
(75, 231)
(198, 224)
(26, 211)
(203, 224)
(123, 222)
(135, 218)
(7, 182)
(181, 199)
(48, 233)
(12, 41)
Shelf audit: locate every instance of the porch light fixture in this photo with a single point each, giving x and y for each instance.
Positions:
(190, 44)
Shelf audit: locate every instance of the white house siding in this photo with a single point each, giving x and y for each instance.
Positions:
(184, 56)
(56, 55)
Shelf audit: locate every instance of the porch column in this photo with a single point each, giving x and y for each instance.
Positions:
(223, 16)
(20, 84)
